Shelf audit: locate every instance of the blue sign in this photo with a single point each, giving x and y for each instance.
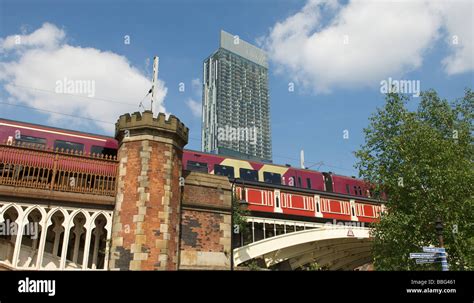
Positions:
(423, 255)
(434, 249)
(432, 255)
(424, 261)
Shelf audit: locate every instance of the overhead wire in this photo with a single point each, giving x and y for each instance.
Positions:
(56, 113)
(72, 95)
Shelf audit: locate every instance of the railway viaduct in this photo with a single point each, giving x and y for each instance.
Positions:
(143, 211)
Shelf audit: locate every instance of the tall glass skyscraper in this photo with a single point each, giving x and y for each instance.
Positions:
(235, 100)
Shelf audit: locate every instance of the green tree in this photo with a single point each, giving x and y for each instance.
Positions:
(239, 215)
(423, 161)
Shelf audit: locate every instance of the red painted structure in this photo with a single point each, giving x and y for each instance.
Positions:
(290, 176)
(49, 137)
(307, 204)
(273, 188)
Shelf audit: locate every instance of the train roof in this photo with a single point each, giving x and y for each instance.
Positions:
(346, 177)
(57, 128)
(273, 164)
(189, 150)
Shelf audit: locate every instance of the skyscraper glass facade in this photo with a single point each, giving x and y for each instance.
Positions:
(236, 109)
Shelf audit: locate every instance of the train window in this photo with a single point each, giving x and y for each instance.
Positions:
(103, 150)
(299, 182)
(224, 170)
(360, 191)
(328, 182)
(308, 182)
(355, 190)
(248, 174)
(72, 146)
(272, 178)
(31, 140)
(348, 189)
(197, 166)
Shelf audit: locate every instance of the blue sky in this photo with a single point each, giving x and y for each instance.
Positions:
(328, 98)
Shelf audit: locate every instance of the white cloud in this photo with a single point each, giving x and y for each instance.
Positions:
(366, 41)
(195, 107)
(43, 60)
(48, 36)
(459, 22)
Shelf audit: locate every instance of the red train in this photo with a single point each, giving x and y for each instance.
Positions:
(353, 198)
(291, 191)
(275, 174)
(52, 137)
(284, 200)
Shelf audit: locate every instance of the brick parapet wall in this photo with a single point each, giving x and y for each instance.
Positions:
(205, 222)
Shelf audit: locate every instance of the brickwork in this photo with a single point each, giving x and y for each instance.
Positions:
(146, 219)
(158, 224)
(205, 223)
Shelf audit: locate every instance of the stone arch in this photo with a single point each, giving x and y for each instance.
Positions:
(32, 229)
(30, 209)
(98, 240)
(54, 227)
(53, 211)
(5, 207)
(77, 212)
(50, 250)
(77, 229)
(97, 214)
(11, 214)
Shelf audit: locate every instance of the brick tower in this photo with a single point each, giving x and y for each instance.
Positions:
(145, 232)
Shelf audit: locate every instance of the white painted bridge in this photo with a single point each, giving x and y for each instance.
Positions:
(334, 247)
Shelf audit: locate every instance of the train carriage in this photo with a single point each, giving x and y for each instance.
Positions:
(309, 204)
(56, 138)
(274, 174)
(270, 187)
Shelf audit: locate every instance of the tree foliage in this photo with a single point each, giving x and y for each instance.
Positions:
(423, 161)
(239, 215)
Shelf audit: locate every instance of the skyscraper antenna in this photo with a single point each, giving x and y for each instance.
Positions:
(154, 82)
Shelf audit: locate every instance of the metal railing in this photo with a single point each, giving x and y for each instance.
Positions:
(35, 166)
